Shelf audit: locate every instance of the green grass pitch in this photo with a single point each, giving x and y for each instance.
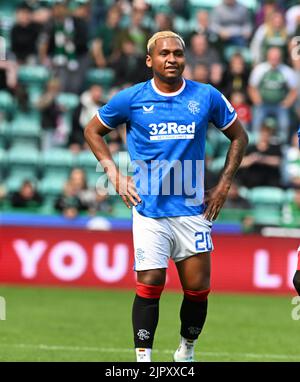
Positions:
(53, 324)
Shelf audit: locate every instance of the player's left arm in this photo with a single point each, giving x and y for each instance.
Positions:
(217, 196)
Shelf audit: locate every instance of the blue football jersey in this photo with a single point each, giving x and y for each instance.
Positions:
(299, 136)
(166, 134)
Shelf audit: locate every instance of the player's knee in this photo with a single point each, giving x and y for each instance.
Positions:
(149, 291)
(296, 281)
(196, 295)
(152, 277)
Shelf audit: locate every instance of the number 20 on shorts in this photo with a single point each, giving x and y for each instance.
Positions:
(203, 242)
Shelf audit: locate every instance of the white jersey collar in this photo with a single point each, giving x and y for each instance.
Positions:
(155, 88)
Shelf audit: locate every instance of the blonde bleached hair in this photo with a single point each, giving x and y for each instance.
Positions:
(162, 34)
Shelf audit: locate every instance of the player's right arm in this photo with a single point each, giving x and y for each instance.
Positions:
(124, 185)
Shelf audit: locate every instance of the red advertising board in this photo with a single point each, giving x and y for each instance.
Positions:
(49, 256)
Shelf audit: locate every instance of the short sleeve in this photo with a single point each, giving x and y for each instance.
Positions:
(116, 111)
(222, 113)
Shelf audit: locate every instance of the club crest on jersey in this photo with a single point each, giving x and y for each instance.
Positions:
(193, 107)
(148, 110)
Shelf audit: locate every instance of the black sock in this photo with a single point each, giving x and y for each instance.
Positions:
(296, 281)
(145, 312)
(192, 315)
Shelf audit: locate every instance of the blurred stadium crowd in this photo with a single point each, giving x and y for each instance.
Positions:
(61, 60)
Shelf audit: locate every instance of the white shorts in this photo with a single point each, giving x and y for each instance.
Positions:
(157, 240)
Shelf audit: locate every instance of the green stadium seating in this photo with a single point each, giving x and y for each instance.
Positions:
(56, 162)
(23, 156)
(233, 214)
(267, 196)
(289, 195)
(3, 162)
(17, 176)
(68, 101)
(229, 51)
(7, 103)
(33, 75)
(52, 184)
(104, 77)
(267, 216)
(267, 204)
(120, 210)
(58, 157)
(209, 4)
(87, 160)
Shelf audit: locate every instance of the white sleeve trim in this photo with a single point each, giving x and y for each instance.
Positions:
(229, 124)
(103, 123)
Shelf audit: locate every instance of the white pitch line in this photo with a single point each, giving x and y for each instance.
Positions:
(166, 351)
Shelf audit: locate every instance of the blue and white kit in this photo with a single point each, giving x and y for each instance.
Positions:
(166, 135)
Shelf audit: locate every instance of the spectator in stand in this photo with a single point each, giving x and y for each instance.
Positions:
(235, 200)
(91, 200)
(64, 47)
(272, 89)
(291, 210)
(202, 25)
(180, 8)
(231, 22)
(106, 41)
(216, 75)
(236, 76)
(51, 113)
(266, 8)
(8, 75)
(201, 52)
(294, 53)
(272, 33)
(129, 67)
(24, 36)
(90, 100)
(200, 73)
(242, 108)
(292, 165)
(68, 203)
(293, 20)
(163, 22)
(262, 162)
(26, 197)
(136, 31)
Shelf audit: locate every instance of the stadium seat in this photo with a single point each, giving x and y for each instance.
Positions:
(267, 216)
(17, 177)
(58, 157)
(7, 103)
(68, 101)
(57, 161)
(209, 4)
(267, 196)
(3, 157)
(86, 160)
(267, 205)
(33, 75)
(120, 210)
(230, 50)
(23, 156)
(103, 77)
(233, 214)
(52, 184)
